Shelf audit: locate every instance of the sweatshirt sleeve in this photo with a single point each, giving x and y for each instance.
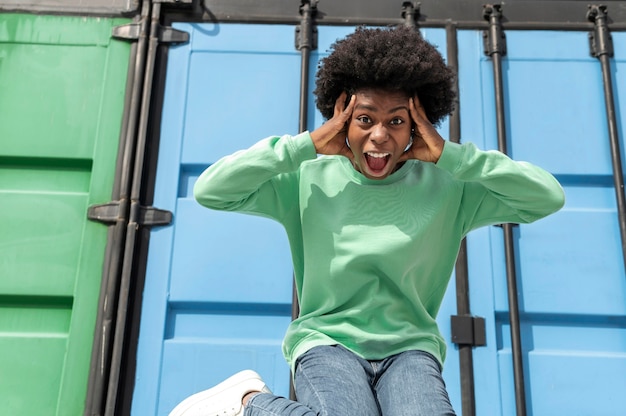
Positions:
(498, 189)
(261, 180)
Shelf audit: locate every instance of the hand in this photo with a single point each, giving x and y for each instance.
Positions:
(427, 143)
(330, 138)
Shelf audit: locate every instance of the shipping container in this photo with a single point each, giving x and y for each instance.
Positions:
(62, 83)
(109, 113)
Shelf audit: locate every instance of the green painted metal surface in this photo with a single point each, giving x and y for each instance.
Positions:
(62, 83)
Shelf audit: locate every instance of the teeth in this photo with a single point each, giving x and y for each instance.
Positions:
(377, 155)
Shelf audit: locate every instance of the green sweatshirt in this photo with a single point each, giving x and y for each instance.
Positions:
(372, 258)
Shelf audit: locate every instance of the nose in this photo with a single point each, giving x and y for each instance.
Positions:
(379, 134)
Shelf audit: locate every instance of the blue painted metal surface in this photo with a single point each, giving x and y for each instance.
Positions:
(572, 287)
(218, 286)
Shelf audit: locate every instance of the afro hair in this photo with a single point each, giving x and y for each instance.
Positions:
(397, 59)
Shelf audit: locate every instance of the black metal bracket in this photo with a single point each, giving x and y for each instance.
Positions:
(172, 36)
(167, 35)
(411, 13)
(112, 212)
(600, 40)
(306, 33)
(130, 31)
(494, 40)
(468, 330)
(175, 2)
(512, 224)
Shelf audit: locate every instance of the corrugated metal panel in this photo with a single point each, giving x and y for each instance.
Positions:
(62, 83)
(199, 325)
(571, 282)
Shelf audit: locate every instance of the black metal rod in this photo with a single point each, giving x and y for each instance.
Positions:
(466, 355)
(308, 10)
(107, 304)
(305, 44)
(134, 218)
(496, 48)
(603, 51)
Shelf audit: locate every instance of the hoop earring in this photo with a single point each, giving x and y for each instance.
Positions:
(408, 146)
(348, 143)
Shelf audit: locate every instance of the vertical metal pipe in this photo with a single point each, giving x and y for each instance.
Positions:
(305, 43)
(496, 48)
(602, 48)
(466, 356)
(103, 337)
(134, 217)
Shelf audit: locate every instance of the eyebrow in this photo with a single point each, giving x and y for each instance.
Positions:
(372, 108)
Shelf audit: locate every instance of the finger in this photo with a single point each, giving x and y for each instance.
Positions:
(340, 103)
(419, 107)
(343, 114)
(413, 111)
(414, 106)
(347, 112)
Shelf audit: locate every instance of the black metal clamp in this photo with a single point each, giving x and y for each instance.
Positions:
(411, 13)
(114, 211)
(468, 330)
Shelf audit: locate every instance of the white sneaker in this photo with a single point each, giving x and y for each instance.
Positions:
(223, 399)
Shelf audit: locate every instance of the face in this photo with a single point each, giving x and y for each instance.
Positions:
(379, 131)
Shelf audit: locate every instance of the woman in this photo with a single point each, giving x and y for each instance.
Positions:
(374, 226)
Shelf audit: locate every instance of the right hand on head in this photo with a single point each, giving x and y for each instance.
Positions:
(330, 138)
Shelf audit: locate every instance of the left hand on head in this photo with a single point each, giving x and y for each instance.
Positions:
(427, 143)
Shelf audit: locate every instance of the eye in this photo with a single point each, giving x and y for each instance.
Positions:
(364, 119)
(396, 121)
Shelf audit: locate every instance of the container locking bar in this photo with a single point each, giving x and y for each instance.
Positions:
(601, 47)
(461, 270)
(306, 41)
(495, 47)
(125, 214)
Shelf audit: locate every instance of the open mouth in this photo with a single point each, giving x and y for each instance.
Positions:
(376, 162)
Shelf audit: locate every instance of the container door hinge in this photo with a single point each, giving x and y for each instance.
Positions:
(111, 213)
(468, 330)
(168, 35)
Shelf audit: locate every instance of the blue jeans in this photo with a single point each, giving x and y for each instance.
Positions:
(333, 381)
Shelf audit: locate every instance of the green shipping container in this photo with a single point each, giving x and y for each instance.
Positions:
(62, 85)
